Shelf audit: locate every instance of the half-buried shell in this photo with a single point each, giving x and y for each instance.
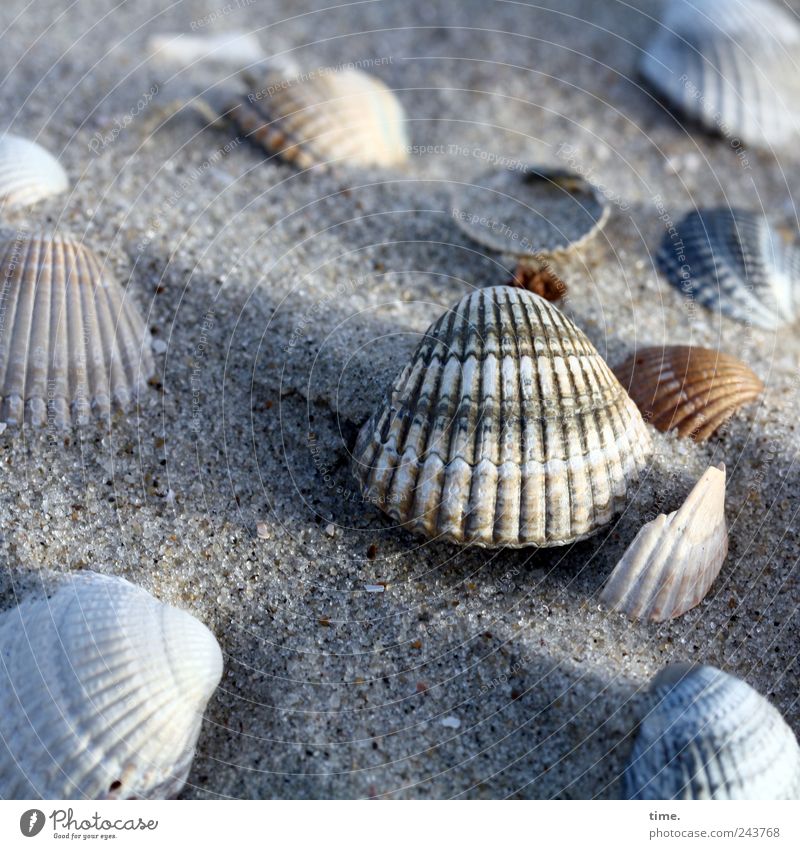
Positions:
(673, 561)
(28, 173)
(709, 735)
(72, 343)
(734, 262)
(731, 66)
(692, 390)
(533, 213)
(506, 428)
(102, 692)
(325, 117)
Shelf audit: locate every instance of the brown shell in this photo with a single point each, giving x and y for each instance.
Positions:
(690, 389)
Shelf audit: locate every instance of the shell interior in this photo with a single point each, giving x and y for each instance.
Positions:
(673, 561)
(28, 173)
(732, 261)
(530, 212)
(72, 343)
(731, 66)
(103, 689)
(692, 390)
(709, 735)
(506, 428)
(325, 117)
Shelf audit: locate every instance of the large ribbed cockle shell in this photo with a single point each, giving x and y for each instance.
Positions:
(732, 261)
(28, 173)
(732, 66)
(72, 343)
(686, 388)
(709, 735)
(325, 117)
(673, 560)
(506, 428)
(102, 692)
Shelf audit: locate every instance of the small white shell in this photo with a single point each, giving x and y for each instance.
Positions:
(730, 65)
(709, 735)
(71, 341)
(28, 173)
(102, 692)
(325, 117)
(671, 564)
(236, 48)
(506, 428)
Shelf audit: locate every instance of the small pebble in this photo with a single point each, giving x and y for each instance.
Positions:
(262, 529)
(159, 346)
(451, 722)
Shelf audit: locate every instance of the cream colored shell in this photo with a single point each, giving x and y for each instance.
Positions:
(673, 561)
(325, 117)
(72, 343)
(102, 692)
(28, 173)
(507, 428)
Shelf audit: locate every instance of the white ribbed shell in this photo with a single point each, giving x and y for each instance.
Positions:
(506, 429)
(102, 693)
(325, 117)
(732, 261)
(708, 735)
(732, 65)
(28, 173)
(671, 564)
(72, 343)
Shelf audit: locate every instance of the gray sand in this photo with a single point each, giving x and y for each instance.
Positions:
(286, 302)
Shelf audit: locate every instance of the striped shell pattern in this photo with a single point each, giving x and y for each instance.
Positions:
(506, 428)
(709, 735)
(72, 343)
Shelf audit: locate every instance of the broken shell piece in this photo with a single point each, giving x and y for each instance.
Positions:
(709, 735)
(673, 561)
(731, 66)
(102, 692)
(734, 262)
(692, 390)
(28, 173)
(541, 281)
(236, 48)
(325, 117)
(72, 342)
(531, 212)
(506, 428)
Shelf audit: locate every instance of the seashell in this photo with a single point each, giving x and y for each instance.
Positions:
(732, 261)
(236, 47)
(324, 117)
(670, 565)
(71, 342)
(709, 735)
(103, 690)
(541, 281)
(729, 66)
(28, 173)
(506, 428)
(530, 212)
(689, 389)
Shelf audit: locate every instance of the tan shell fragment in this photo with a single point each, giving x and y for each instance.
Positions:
(325, 117)
(689, 389)
(506, 429)
(671, 564)
(72, 343)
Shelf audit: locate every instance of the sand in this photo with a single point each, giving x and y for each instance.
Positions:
(283, 303)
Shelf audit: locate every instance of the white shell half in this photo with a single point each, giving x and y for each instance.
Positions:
(72, 343)
(709, 735)
(28, 173)
(671, 564)
(325, 117)
(506, 428)
(236, 48)
(730, 65)
(732, 261)
(102, 693)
